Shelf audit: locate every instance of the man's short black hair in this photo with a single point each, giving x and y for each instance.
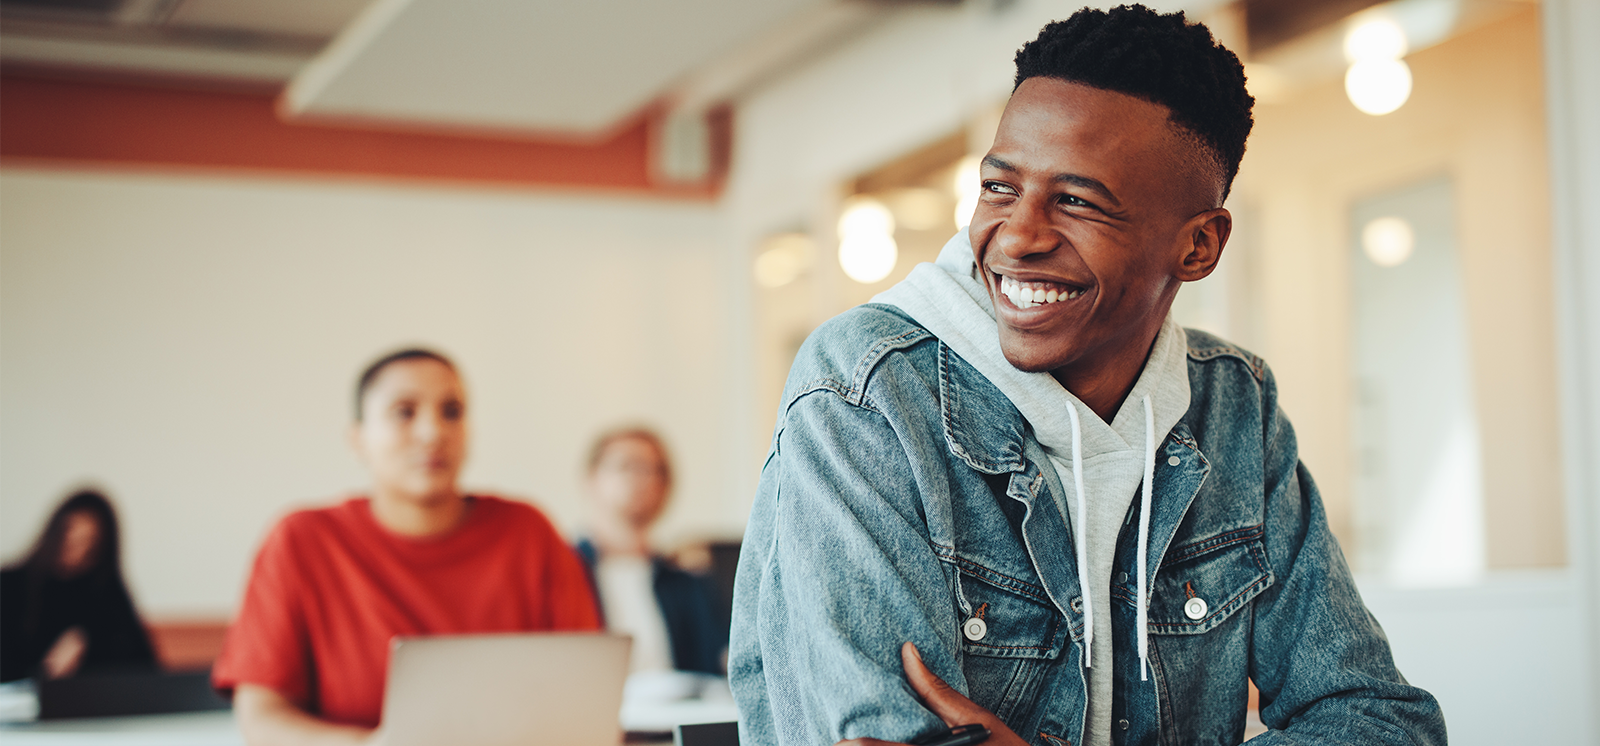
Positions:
(371, 373)
(1162, 59)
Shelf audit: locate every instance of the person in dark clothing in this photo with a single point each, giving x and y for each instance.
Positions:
(65, 608)
(671, 613)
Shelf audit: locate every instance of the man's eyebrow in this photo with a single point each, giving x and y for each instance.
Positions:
(1084, 182)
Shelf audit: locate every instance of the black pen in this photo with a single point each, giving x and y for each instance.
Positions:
(960, 735)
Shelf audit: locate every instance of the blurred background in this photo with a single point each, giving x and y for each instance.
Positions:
(213, 213)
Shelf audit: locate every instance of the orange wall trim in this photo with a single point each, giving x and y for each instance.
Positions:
(95, 123)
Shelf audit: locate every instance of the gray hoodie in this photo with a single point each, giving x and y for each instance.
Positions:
(1104, 463)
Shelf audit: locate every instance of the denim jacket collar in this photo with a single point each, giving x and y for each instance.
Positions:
(986, 431)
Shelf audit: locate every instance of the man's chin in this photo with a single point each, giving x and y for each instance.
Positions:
(1027, 361)
(1024, 354)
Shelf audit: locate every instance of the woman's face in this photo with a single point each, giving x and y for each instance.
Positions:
(413, 430)
(80, 543)
(630, 480)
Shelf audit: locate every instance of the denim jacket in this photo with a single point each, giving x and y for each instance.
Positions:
(903, 495)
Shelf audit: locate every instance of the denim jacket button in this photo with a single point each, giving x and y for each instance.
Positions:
(975, 629)
(1173, 461)
(1123, 723)
(1194, 608)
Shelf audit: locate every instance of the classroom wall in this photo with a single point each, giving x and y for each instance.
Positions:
(1476, 117)
(189, 342)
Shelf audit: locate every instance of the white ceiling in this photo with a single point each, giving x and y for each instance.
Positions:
(316, 18)
(579, 68)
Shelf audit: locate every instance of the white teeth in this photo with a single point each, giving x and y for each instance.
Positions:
(1025, 297)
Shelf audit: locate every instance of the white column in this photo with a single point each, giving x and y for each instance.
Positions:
(1572, 60)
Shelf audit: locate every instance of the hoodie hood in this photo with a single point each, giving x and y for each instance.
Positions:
(1106, 463)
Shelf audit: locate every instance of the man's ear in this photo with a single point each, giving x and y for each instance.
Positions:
(1204, 235)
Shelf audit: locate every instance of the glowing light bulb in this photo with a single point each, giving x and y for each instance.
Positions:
(1378, 81)
(867, 251)
(783, 258)
(1375, 39)
(1388, 241)
(1378, 87)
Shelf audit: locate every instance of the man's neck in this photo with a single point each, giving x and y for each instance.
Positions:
(418, 517)
(1105, 384)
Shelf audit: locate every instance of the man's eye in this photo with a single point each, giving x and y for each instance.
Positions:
(452, 411)
(997, 188)
(1071, 201)
(405, 412)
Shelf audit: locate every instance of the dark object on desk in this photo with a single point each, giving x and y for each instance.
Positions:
(706, 734)
(960, 735)
(127, 693)
(647, 736)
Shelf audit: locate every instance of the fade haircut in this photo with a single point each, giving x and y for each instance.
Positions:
(371, 373)
(1159, 58)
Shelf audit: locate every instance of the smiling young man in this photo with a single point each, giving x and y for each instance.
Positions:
(1090, 522)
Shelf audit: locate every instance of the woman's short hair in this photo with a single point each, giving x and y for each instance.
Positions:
(640, 432)
(371, 373)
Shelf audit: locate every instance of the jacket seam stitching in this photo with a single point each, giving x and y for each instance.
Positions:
(1206, 546)
(1207, 354)
(979, 572)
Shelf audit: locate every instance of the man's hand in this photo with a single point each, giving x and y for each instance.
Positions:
(950, 705)
(267, 718)
(66, 654)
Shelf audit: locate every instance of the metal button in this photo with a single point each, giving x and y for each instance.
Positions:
(975, 629)
(1122, 577)
(1076, 604)
(1173, 461)
(1123, 723)
(1194, 608)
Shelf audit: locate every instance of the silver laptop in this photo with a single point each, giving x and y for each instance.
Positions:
(505, 690)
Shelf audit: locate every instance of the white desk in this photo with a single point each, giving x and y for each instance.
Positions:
(187, 729)
(218, 729)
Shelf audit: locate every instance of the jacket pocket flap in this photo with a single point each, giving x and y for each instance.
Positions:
(1019, 621)
(1203, 583)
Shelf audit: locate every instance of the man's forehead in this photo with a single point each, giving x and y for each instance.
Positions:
(1053, 124)
(1065, 108)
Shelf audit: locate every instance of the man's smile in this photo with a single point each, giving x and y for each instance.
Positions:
(1029, 297)
(1028, 294)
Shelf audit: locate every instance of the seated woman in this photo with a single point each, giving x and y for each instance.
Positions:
(307, 656)
(669, 612)
(65, 608)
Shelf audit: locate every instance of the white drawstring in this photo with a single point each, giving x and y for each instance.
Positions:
(1144, 537)
(1083, 537)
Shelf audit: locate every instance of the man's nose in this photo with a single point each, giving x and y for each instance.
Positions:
(1027, 230)
(427, 427)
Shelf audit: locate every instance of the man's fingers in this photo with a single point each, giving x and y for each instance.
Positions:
(950, 705)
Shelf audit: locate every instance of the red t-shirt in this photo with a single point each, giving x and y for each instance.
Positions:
(331, 588)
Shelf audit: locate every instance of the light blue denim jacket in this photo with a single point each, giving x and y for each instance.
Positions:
(904, 494)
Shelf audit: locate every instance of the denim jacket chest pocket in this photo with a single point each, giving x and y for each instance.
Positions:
(1010, 634)
(1202, 583)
